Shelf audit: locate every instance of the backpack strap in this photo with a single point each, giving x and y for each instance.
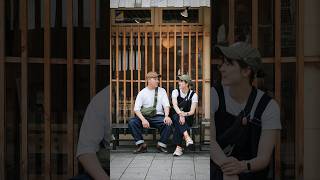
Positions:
(222, 103)
(155, 98)
(191, 94)
(264, 101)
(252, 97)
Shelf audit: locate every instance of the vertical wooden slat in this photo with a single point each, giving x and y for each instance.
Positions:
(277, 80)
(24, 89)
(197, 61)
(117, 76)
(131, 70)
(255, 23)
(175, 57)
(190, 53)
(153, 51)
(70, 89)
(231, 21)
(146, 55)
(160, 55)
(139, 59)
(2, 92)
(124, 75)
(168, 61)
(92, 48)
(299, 144)
(182, 50)
(110, 75)
(47, 91)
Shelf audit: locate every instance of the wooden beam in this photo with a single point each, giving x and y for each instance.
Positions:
(255, 22)
(145, 55)
(10, 59)
(47, 90)
(2, 93)
(131, 73)
(139, 58)
(231, 21)
(175, 58)
(117, 77)
(190, 54)
(24, 90)
(160, 55)
(299, 131)
(124, 61)
(153, 51)
(72, 160)
(168, 63)
(277, 85)
(93, 48)
(197, 62)
(182, 50)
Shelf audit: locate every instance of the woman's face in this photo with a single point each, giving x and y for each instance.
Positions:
(231, 73)
(182, 84)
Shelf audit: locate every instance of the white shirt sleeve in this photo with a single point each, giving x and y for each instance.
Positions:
(138, 102)
(214, 100)
(165, 99)
(195, 98)
(270, 118)
(174, 94)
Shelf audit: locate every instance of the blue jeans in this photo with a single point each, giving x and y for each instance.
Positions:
(135, 126)
(178, 129)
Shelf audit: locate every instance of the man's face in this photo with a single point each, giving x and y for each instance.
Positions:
(153, 82)
(232, 74)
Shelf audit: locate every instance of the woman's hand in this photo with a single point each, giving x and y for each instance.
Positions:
(182, 120)
(233, 166)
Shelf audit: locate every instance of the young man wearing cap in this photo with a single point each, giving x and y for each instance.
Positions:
(246, 120)
(151, 96)
(184, 101)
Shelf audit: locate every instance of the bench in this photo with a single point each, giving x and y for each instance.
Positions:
(196, 129)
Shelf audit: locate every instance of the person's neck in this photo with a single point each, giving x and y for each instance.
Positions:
(151, 87)
(240, 92)
(185, 90)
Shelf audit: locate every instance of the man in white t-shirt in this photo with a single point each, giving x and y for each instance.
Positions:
(151, 96)
(246, 120)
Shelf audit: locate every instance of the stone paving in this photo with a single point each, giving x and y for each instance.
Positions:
(159, 166)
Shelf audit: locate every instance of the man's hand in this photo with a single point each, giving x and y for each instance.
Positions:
(233, 166)
(167, 120)
(145, 123)
(182, 120)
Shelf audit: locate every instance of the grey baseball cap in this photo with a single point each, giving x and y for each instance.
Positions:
(185, 77)
(242, 51)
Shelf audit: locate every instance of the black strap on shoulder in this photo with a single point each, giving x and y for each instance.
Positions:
(191, 95)
(222, 103)
(155, 98)
(264, 101)
(250, 101)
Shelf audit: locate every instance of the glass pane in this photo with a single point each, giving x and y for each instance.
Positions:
(243, 20)
(13, 74)
(288, 28)
(288, 94)
(266, 28)
(219, 28)
(176, 16)
(59, 143)
(132, 16)
(35, 31)
(35, 122)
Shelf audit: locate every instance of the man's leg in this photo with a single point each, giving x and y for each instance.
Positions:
(135, 126)
(165, 130)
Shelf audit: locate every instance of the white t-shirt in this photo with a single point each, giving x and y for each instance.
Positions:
(175, 95)
(270, 118)
(95, 125)
(145, 98)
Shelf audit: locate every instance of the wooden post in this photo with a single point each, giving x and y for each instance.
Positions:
(72, 160)
(2, 92)
(47, 90)
(277, 80)
(93, 49)
(231, 21)
(24, 89)
(299, 144)
(206, 62)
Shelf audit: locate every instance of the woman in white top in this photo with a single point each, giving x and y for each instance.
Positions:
(184, 101)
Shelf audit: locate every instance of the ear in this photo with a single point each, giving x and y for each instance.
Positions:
(246, 72)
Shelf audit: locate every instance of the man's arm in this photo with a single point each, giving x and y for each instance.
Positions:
(92, 166)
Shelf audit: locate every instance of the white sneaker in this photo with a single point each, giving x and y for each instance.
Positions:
(189, 142)
(178, 151)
